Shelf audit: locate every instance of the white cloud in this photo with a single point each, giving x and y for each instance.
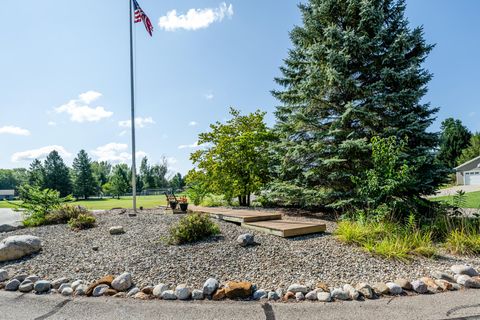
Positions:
(192, 123)
(39, 153)
(80, 111)
(14, 130)
(171, 161)
(189, 146)
(52, 123)
(139, 122)
(195, 19)
(209, 96)
(116, 153)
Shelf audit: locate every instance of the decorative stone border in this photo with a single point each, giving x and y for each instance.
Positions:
(122, 286)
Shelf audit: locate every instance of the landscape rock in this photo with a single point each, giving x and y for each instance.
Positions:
(183, 292)
(116, 230)
(141, 296)
(456, 286)
(168, 295)
(246, 239)
(468, 282)
(366, 290)
(381, 288)
(58, 282)
(404, 284)
(464, 270)
(76, 283)
(299, 296)
(444, 285)
(431, 285)
(120, 295)
(133, 292)
(210, 286)
(352, 292)
(273, 295)
(312, 295)
(20, 277)
(394, 288)
(237, 289)
(298, 288)
(12, 285)
(123, 282)
(16, 247)
(63, 286)
(419, 286)
(289, 295)
(33, 278)
(159, 289)
(260, 294)
(67, 291)
(26, 286)
(100, 290)
(324, 296)
(42, 286)
(7, 227)
(3, 275)
(147, 290)
(219, 294)
(104, 280)
(197, 294)
(443, 276)
(323, 286)
(339, 294)
(280, 292)
(81, 290)
(110, 292)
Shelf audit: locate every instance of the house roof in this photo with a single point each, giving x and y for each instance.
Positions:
(7, 192)
(468, 165)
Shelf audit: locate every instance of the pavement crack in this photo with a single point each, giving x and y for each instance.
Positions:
(269, 314)
(449, 312)
(54, 310)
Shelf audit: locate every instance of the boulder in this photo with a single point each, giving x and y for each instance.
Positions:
(236, 290)
(419, 286)
(246, 240)
(444, 285)
(312, 296)
(280, 292)
(323, 286)
(104, 280)
(168, 295)
(339, 294)
(16, 247)
(260, 294)
(12, 285)
(404, 284)
(442, 276)
(3, 275)
(298, 288)
(33, 278)
(58, 282)
(365, 290)
(464, 269)
(26, 286)
(123, 282)
(219, 294)
(147, 290)
(431, 285)
(116, 230)
(159, 289)
(324, 296)
(67, 291)
(381, 288)
(100, 290)
(42, 286)
(20, 277)
(7, 227)
(76, 283)
(299, 296)
(468, 282)
(183, 292)
(197, 294)
(394, 288)
(273, 295)
(352, 292)
(133, 292)
(210, 286)
(63, 286)
(81, 290)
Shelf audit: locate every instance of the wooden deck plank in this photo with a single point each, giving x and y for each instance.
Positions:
(286, 228)
(238, 215)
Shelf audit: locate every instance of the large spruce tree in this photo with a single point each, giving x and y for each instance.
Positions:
(57, 175)
(454, 139)
(84, 184)
(354, 72)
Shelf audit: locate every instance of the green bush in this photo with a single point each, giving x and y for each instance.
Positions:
(463, 242)
(212, 200)
(82, 221)
(191, 228)
(64, 214)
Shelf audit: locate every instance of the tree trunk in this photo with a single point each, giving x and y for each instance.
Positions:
(248, 199)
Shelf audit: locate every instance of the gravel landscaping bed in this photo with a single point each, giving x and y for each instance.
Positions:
(273, 262)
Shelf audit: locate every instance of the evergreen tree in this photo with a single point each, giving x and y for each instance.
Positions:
(177, 182)
(84, 184)
(119, 183)
(57, 175)
(36, 174)
(472, 151)
(355, 72)
(454, 139)
(148, 181)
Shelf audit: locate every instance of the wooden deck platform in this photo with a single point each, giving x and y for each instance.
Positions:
(286, 228)
(264, 221)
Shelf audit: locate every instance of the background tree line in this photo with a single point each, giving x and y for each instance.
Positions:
(88, 178)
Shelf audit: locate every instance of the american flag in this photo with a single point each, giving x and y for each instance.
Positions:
(141, 16)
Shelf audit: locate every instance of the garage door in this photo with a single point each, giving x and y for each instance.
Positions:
(472, 178)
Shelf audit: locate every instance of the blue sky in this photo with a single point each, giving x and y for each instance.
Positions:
(65, 71)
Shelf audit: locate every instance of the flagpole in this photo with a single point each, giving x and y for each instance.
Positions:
(132, 103)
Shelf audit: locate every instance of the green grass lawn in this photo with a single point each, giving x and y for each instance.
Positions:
(108, 203)
(472, 199)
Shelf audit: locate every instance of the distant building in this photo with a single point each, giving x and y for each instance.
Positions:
(469, 173)
(7, 194)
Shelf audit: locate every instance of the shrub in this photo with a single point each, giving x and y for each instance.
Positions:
(463, 242)
(65, 213)
(191, 228)
(83, 221)
(212, 200)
